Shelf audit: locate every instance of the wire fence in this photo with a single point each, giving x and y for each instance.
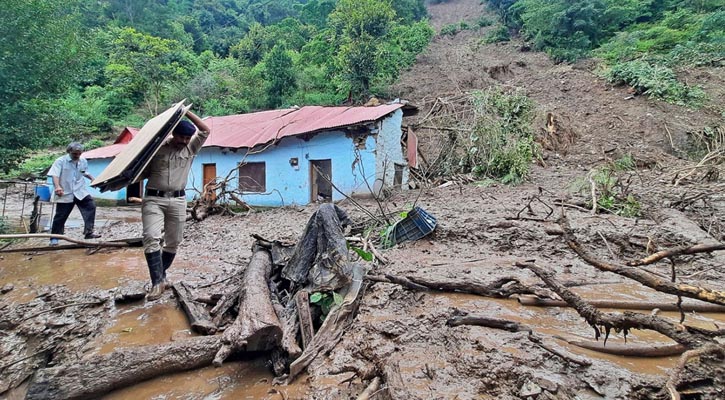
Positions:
(26, 206)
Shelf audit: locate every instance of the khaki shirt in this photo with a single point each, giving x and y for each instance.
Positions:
(169, 169)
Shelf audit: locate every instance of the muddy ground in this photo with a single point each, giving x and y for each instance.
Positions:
(483, 230)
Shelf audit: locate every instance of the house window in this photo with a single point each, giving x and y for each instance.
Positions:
(252, 177)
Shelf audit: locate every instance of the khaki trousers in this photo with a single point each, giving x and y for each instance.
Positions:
(163, 216)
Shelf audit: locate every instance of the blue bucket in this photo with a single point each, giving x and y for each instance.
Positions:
(43, 192)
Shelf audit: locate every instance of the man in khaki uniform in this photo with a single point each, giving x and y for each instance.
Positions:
(164, 205)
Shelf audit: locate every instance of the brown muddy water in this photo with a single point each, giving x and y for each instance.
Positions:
(137, 324)
(144, 323)
(566, 323)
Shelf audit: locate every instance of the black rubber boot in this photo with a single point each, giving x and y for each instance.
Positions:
(166, 260)
(156, 271)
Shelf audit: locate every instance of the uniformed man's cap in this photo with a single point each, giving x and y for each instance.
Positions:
(185, 128)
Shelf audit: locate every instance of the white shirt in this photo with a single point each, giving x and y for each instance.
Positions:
(70, 173)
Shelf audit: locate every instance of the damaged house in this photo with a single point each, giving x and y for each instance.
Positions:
(292, 156)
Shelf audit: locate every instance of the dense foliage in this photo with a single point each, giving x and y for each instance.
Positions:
(642, 40)
(75, 69)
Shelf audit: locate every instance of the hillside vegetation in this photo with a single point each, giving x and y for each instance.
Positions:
(82, 69)
(74, 69)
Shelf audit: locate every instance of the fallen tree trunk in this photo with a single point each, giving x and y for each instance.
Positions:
(698, 248)
(290, 326)
(512, 326)
(625, 321)
(101, 374)
(500, 288)
(199, 317)
(630, 350)
(334, 325)
(627, 305)
(257, 326)
(302, 302)
(643, 277)
(133, 242)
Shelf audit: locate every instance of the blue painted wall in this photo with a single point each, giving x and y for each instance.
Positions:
(287, 184)
(95, 167)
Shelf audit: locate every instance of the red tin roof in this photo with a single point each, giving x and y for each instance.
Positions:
(123, 138)
(249, 130)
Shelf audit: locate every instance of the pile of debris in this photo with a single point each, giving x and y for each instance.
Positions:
(273, 305)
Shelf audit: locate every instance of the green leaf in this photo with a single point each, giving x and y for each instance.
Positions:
(316, 297)
(363, 254)
(337, 298)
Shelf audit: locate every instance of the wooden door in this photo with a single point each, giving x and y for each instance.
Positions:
(209, 181)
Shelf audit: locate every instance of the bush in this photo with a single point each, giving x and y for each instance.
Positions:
(34, 167)
(93, 144)
(502, 142)
(613, 195)
(657, 81)
(484, 21)
(499, 34)
(450, 29)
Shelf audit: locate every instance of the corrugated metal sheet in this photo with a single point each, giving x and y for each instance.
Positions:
(123, 138)
(249, 130)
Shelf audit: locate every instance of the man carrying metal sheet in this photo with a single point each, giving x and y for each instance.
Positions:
(164, 205)
(70, 190)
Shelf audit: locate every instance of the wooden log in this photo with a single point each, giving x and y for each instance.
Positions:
(100, 374)
(698, 248)
(198, 316)
(643, 277)
(529, 300)
(257, 327)
(625, 321)
(290, 326)
(302, 301)
(395, 384)
(370, 390)
(630, 350)
(332, 329)
(225, 303)
(495, 323)
(512, 326)
(75, 243)
(500, 288)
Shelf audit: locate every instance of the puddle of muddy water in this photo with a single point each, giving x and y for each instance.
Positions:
(565, 322)
(138, 324)
(72, 268)
(234, 380)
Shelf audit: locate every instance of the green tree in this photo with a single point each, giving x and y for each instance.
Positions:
(252, 47)
(280, 76)
(221, 87)
(43, 52)
(360, 25)
(315, 12)
(409, 11)
(142, 66)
